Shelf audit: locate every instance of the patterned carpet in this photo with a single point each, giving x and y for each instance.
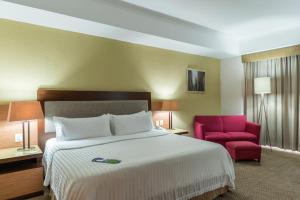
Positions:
(276, 178)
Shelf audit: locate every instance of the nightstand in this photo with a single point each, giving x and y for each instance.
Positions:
(177, 131)
(21, 173)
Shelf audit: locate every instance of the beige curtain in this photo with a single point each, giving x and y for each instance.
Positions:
(282, 104)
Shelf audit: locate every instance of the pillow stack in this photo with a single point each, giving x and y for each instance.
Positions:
(105, 125)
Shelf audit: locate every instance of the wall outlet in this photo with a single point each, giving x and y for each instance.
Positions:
(161, 122)
(157, 123)
(18, 137)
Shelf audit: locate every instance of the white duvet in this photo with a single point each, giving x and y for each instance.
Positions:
(155, 165)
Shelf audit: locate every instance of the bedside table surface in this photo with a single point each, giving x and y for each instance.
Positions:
(177, 131)
(13, 153)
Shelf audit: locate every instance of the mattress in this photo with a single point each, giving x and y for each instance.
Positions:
(154, 165)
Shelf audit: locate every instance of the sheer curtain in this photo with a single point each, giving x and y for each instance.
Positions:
(283, 103)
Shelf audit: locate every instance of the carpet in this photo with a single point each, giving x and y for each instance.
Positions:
(277, 177)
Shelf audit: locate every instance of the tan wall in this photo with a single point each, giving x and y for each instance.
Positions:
(33, 56)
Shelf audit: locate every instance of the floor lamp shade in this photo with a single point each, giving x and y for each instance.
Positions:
(262, 85)
(25, 111)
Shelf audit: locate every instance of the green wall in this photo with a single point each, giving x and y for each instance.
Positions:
(33, 56)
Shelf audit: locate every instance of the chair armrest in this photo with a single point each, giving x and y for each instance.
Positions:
(254, 129)
(199, 131)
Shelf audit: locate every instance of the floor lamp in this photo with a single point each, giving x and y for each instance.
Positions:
(262, 86)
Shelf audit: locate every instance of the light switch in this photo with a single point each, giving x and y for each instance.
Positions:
(18, 137)
(161, 122)
(157, 123)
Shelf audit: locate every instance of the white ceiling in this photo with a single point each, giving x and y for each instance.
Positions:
(216, 28)
(243, 19)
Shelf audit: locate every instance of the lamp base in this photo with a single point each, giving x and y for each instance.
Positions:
(26, 149)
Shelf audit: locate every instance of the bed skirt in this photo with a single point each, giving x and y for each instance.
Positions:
(206, 196)
(212, 194)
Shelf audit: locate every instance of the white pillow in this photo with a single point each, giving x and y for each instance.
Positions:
(130, 124)
(80, 128)
(112, 123)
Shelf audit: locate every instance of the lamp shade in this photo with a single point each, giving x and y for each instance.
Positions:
(24, 111)
(262, 85)
(165, 105)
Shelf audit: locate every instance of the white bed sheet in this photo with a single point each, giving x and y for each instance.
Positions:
(155, 165)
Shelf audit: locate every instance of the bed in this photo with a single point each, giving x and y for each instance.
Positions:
(155, 165)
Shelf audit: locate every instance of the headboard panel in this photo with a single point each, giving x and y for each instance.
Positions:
(68, 103)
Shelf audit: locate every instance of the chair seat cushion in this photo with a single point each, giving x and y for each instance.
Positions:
(230, 136)
(216, 136)
(241, 136)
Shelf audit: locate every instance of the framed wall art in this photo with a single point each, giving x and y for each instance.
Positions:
(196, 80)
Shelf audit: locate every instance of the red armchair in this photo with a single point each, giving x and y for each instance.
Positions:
(222, 129)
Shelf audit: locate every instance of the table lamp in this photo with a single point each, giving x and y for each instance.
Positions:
(169, 106)
(262, 86)
(25, 111)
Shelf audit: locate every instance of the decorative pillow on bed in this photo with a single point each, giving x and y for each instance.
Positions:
(80, 128)
(130, 124)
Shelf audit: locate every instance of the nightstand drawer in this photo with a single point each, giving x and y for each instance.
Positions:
(20, 183)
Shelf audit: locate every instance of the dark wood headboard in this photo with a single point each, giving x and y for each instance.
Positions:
(44, 95)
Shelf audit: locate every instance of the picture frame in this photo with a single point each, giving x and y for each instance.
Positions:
(196, 80)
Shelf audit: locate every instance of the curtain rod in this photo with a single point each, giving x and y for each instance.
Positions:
(275, 53)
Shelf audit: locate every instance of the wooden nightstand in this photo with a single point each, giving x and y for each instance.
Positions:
(177, 131)
(21, 173)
